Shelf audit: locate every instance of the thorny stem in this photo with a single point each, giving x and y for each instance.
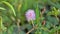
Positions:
(32, 29)
(35, 27)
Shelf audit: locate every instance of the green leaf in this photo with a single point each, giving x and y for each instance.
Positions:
(48, 24)
(2, 28)
(11, 7)
(37, 13)
(52, 31)
(10, 30)
(0, 24)
(2, 8)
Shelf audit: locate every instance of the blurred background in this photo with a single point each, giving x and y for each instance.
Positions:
(13, 19)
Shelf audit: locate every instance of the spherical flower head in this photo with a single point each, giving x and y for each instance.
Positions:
(30, 15)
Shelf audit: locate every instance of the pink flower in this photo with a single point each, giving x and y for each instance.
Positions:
(30, 15)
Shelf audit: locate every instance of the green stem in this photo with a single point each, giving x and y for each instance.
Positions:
(57, 18)
(32, 23)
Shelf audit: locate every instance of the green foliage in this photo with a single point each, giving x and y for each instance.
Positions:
(54, 12)
(13, 19)
(1, 8)
(11, 7)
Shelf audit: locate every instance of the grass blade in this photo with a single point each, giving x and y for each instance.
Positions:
(11, 7)
(1, 8)
(0, 24)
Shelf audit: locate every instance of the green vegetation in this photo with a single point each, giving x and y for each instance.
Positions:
(29, 16)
